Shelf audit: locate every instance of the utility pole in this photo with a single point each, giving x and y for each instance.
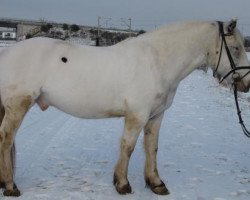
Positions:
(242, 29)
(106, 21)
(98, 31)
(130, 27)
(98, 26)
(128, 24)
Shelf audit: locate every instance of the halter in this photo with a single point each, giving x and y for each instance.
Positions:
(235, 74)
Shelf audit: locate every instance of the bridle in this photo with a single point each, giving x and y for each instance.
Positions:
(234, 71)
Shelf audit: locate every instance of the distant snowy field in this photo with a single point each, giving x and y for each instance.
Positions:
(203, 154)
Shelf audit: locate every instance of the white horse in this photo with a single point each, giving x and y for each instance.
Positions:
(135, 79)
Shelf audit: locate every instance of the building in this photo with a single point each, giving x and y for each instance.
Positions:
(8, 33)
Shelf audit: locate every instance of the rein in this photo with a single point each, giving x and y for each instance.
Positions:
(235, 75)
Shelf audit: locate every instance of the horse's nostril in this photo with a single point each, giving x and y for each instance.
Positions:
(241, 87)
(247, 89)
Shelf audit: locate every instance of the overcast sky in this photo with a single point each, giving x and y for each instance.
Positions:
(144, 13)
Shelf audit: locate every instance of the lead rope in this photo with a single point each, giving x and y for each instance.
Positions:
(246, 132)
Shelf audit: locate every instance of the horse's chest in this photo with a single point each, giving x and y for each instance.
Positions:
(163, 101)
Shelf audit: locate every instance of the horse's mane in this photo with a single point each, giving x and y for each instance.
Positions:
(169, 29)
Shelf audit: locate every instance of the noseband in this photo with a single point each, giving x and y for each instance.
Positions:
(234, 71)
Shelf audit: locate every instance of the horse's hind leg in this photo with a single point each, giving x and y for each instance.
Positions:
(15, 110)
(132, 129)
(13, 149)
(2, 185)
(151, 134)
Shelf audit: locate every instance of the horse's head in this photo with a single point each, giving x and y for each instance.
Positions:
(231, 55)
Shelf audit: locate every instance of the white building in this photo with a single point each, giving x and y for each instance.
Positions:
(7, 33)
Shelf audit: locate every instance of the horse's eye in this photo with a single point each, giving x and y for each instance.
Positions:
(237, 48)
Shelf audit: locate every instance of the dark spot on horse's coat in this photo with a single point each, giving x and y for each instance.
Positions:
(208, 53)
(147, 131)
(64, 59)
(217, 52)
(129, 149)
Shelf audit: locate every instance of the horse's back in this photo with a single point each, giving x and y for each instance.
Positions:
(76, 79)
(88, 82)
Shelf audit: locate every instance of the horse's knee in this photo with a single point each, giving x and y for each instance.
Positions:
(127, 147)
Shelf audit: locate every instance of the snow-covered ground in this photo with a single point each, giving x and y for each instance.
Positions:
(81, 41)
(6, 43)
(203, 154)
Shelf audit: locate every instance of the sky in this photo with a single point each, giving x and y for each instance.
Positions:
(145, 14)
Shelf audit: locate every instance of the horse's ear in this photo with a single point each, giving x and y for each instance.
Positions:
(231, 25)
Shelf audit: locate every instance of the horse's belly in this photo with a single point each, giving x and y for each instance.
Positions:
(90, 106)
(90, 111)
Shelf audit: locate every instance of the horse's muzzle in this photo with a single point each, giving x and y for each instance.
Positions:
(241, 87)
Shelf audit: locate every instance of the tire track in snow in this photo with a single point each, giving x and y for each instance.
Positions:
(32, 154)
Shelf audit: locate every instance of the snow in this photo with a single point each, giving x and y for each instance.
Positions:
(6, 43)
(203, 153)
(81, 41)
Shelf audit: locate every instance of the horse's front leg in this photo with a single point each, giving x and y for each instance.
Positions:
(132, 129)
(15, 109)
(151, 135)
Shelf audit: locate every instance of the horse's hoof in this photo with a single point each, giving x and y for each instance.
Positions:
(125, 189)
(158, 189)
(2, 185)
(12, 193)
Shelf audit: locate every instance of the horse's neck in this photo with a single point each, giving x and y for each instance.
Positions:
(181, 49)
